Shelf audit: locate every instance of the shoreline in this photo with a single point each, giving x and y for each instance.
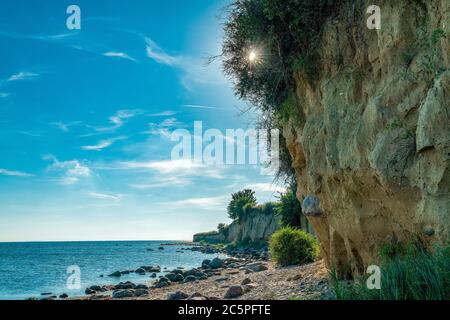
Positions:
(243, 275)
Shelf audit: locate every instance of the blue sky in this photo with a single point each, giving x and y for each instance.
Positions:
(85, 119)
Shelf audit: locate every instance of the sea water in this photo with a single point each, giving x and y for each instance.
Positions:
(30, 269)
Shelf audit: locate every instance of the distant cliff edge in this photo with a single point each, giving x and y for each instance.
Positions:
(257, 226)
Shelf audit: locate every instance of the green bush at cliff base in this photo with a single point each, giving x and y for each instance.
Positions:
(290, 246)
(407, 273)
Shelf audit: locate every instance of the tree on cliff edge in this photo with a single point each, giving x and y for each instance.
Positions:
(289, 208)
(239, 201)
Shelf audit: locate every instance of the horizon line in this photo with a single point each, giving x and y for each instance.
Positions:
(60, 241)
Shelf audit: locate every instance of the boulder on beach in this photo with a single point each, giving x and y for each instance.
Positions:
(178, 295)
(141, 287)
(197, 296)
(216, 263)
(201, 276)
(246, 281)
(116, 274)
(89, 291)
(96, 288)
(190, 278)
(171, 276)
(125, 285)
(63, 296)
(163, 282)
(205, 264)
(256, 267)
(192, 272)
(120, 294)
(153, 275)
(177, 271)
(234, 292)
(222, 279)
(140, 292)
(179, 278)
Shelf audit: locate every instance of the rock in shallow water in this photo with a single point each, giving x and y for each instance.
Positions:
(140, 271)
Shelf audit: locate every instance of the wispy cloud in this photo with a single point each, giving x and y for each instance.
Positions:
(166, 113)
(266, 187)
(52, 37)
(68, 172)
(103, 144)
(161, 183)
(65, 127)
(162, 132)
(162, 128)
(5, 172)
(193, 106)
(119, 119)
(159, 55)
(30, 134)
(23, 76)
(177, 168)
(165, 166)
(210, 202)
(170, 123)
(120, 55)
(196, 71)
(105, 196)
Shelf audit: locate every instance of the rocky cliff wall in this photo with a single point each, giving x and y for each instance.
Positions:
(371, 141)
(256, 227)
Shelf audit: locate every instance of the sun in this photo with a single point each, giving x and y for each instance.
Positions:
(252, 56)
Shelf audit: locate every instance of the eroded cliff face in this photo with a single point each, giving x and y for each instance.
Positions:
(373, 139)
(256, 227)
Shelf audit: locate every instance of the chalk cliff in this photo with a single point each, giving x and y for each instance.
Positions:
(371, 139)
(256, 227)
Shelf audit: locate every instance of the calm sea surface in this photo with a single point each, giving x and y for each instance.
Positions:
(29, 269)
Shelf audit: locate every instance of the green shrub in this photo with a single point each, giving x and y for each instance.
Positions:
(407, 273)
(286, 34)
(290, 246)
(289, 208)
(267, 208)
